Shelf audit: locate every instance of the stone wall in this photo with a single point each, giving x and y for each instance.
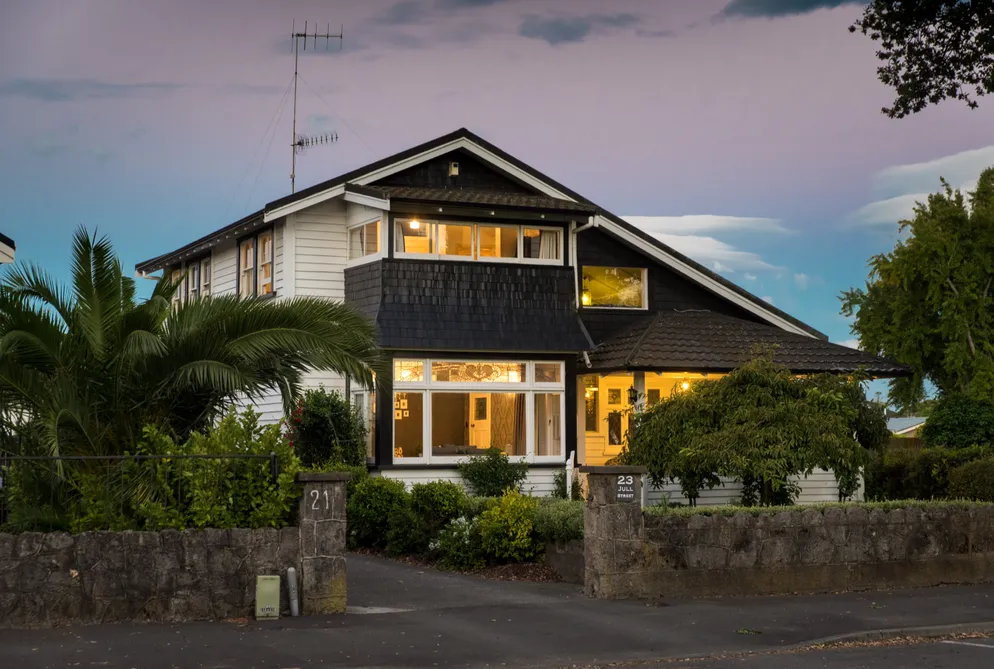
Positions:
(636, 555)
(60, 579)
(566, 559)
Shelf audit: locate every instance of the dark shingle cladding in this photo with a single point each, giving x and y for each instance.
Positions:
(489, 198)
(708, 341)
(443, 305)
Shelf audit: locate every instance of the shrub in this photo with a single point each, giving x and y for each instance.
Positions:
(459, 546)
(372, 505)
(559, 483)
(558, 520)
(490, 474)
(437, 503)
(958, 421)
(325, 428)
(407, 533)
(909, 473)
(477, 505)
(973, 480)
(507, 528)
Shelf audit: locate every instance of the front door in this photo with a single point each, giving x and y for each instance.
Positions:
(479, 420)
(615, 418)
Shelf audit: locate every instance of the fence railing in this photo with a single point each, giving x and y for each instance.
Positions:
(94, 492)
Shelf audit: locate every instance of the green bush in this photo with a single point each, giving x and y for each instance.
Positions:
(459, 546)
(371, 507)
(731, 509)
(910, 473)
(507, 528)
(477, 505)
(558, 520)
(490, 474)
(973, 480)
(325, 428)
(407, 533)
(437, 503)
(959, 421)
(559, 483)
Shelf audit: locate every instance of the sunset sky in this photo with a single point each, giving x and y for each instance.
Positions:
(747, 134)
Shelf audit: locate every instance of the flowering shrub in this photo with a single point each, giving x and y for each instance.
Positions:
(324, 428)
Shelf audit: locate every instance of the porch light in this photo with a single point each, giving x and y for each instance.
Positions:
(685, 385)
(415, 224)
(585, 298)
(633, 396)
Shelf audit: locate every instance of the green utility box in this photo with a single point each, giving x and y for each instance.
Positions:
(267, 597)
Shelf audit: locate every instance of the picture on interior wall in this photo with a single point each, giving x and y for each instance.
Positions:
(398, 414)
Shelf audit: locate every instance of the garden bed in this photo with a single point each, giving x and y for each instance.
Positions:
(534, 572)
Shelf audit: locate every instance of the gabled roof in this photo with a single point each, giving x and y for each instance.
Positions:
(709, 341)
(906, 424)
(543, 185)
(493, 198)
(7, 241)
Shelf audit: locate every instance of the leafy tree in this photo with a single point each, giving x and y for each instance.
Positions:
(759, 425)
(325, 428)
(86, 367)
(929, 302)
(932, 50)
(959, 421)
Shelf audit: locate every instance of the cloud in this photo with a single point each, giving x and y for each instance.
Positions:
(779, 8)
(705, 222)
(460, 4)
(749, 277)
(902, 186)
(65, 90)
(555, 31)
(710, 251)
(767, 298)
(405, 12)
(802, 280)
(849, 343)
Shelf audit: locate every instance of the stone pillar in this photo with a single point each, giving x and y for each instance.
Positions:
(322, 542)
(613, 543)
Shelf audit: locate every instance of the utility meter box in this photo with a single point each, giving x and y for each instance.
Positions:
(267, 597)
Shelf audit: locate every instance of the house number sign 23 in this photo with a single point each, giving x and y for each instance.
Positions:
(320, 500)
(626, 488)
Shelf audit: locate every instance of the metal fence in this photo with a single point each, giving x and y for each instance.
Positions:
(93, 492)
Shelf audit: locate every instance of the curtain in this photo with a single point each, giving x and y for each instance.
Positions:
(548, 245)
(507, 422)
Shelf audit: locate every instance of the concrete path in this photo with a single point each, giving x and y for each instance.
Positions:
(403, 616)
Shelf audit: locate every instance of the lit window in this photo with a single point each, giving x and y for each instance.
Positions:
(548, 424)
(540, 244)
(620, 287)
(478, 372)
(364, 240)
(497, 241)
(414, 236)
(590, 395)
(246, 265)
(468, 423)
(548, 372)
(364, 403)
(265, 281)
(652, 396)
(408, 371)
(408, 425)
(455, 239)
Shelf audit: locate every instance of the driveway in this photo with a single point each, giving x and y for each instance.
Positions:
(405, 616)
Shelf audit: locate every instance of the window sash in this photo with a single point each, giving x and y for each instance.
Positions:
(548, 249)
(364, 240)
(587, 296)
(256, 264)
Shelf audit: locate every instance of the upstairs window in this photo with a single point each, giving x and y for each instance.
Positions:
(205, 276)
(614, 287)
(364, 240)
(487, 242)
(193, 281)
(256, 265)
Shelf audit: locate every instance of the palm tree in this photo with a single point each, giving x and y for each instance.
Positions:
(85, 367)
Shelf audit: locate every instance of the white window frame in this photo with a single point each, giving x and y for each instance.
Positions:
(527, 386)
(645, 290)
(381, 237)
(256, 263)
(474, 256)
(205, 283)
(368, 399)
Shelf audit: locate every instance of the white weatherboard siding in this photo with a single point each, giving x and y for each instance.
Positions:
(821, 486)
(223, 261)
(320, 238)
(540, 482)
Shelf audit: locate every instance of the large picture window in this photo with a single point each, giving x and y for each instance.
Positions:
(486, 242)
(617, 287)
(445, 410)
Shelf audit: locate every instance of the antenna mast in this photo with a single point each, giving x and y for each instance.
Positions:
(300, 143)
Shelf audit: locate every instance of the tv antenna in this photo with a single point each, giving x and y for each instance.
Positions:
(301, 143)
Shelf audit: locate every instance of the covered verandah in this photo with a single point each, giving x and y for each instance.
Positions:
(668, 352)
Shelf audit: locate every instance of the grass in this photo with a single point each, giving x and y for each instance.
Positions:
(731, 510)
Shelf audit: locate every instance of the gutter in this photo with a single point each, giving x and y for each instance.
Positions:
(573, 232)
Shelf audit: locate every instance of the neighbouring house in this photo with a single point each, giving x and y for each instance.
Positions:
(906, 427)
(7, 248)
(518, 313)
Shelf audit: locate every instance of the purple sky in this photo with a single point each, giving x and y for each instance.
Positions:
(758, 118)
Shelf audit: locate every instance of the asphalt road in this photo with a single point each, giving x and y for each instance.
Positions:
(951, 654)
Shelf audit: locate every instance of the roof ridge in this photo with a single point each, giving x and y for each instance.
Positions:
(641, 339)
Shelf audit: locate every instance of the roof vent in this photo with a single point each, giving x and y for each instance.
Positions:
(453, 169)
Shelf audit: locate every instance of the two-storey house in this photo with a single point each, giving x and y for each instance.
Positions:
(518, 313)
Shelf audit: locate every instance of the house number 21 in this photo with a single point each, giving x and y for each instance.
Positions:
(316, 497)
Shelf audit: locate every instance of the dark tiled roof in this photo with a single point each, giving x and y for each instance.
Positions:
(427, 305)
(493, 198)
(705, 340)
